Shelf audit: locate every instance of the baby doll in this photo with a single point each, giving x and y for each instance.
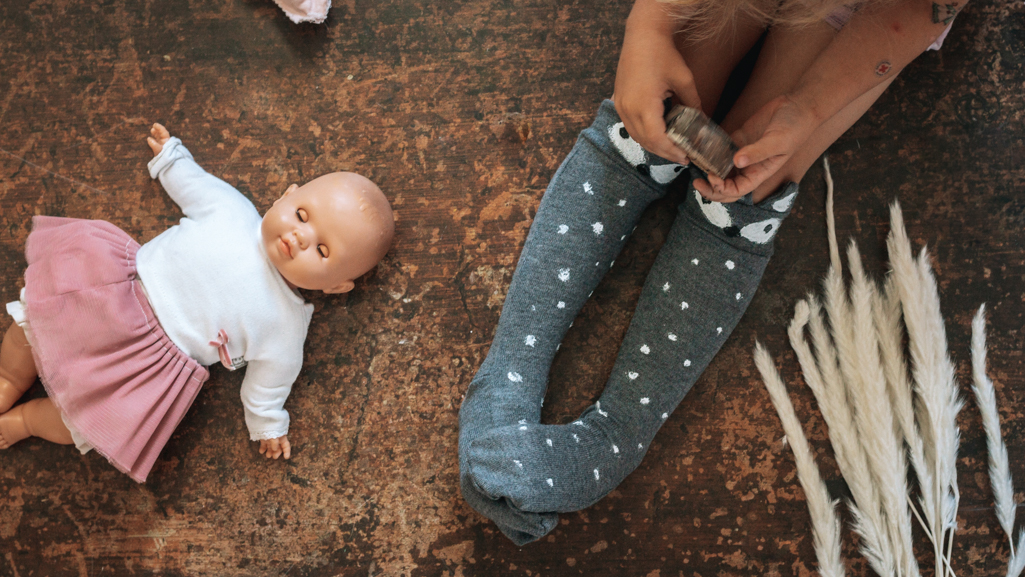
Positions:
(120, 335)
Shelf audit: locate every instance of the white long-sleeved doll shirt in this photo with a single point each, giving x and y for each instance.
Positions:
(209, 277)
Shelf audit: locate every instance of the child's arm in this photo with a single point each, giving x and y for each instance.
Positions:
(197, 192)
(650, 70)
(877, 43)
(264, 390)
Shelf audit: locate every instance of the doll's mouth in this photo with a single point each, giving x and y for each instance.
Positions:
(285, 247)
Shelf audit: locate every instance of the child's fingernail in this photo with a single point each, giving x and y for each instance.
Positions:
(742, 162)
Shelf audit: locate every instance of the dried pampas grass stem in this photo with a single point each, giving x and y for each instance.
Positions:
(825, 525)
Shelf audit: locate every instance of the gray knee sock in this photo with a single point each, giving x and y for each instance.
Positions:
(696, 292)
(590, 208)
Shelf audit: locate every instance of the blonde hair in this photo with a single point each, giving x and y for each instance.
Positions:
(713, 17)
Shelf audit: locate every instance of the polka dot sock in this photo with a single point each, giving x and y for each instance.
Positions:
(696, 292)
(590, 208)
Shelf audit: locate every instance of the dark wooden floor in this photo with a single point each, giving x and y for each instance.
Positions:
(461, 111)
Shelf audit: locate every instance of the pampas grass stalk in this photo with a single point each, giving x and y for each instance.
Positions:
(935, 386)
(825, 525)
(999, 468)
(879, 430)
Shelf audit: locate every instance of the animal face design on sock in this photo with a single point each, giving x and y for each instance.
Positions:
(638, 157)
(759, 232)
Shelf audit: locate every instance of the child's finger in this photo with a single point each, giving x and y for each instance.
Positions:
(286, 448)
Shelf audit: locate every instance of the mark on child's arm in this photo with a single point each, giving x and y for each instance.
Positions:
(883, 68)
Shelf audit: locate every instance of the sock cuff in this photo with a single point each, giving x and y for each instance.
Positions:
(743, 224)
(609, 135)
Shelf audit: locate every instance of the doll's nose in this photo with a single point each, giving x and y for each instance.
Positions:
(300, 239)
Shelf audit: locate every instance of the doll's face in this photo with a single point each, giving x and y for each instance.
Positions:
(327, 233)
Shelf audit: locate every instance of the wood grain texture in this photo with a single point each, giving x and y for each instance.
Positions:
(461, 111)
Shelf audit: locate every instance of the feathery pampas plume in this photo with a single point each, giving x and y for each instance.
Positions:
(999, 469)
(824, 522)
(935, 387)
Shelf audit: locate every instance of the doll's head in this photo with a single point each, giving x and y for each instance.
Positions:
(325, 234)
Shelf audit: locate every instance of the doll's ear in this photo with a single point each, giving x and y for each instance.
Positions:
(340, 288)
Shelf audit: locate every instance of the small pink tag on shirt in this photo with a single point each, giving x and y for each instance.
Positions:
(222, 351)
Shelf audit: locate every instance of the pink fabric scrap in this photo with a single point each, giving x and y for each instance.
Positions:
(299, 11)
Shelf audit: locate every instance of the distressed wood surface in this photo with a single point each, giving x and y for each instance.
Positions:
(462, 111)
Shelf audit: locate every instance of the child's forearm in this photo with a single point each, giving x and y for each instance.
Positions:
(872, 48)
(652, 16)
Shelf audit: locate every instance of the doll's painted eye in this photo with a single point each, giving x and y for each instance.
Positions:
(301, 214)
(322, 249)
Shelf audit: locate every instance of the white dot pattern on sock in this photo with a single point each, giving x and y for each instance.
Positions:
(615, 450)
(640, 446)
(684, 306)
(672, 337)
(597, 227)
(695, 261)
(601, 412)
(563, 229)
(515, 377)
(518, 464)
(632, 375)
(530, 340)
(730, 264)
(686, 363)
(564, 274)
(665, 416)
(622, 202)
(596, 475)
(665, 288)
(738, 296)
(548, 442)
(718, 330)
(588, 189)
(645, 349)
(576, 438)
(645, 400)
(550, 482)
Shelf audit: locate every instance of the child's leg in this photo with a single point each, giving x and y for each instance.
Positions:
(36, 418)
(697, 290)
(785, 56)
(592, 204)
(17, 367)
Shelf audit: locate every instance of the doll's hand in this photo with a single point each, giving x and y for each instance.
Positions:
(767, 140)
(158, 136)
(274, 448)
(650, 70)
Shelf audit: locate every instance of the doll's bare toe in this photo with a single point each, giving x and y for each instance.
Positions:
(12, 427)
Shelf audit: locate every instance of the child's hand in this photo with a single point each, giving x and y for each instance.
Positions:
(768, 139)
(650, 70)
(274, 448)
(158, 136)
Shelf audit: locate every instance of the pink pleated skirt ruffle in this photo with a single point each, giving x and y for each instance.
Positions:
(101, 354)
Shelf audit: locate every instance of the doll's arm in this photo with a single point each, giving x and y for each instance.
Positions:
(196, 191)
(264, 390)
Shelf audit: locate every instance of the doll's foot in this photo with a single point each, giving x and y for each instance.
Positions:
(13, 427)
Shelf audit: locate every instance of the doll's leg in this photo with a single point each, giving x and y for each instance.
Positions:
(17, 367)
(36, 418)
(592, 204)
(697, 290)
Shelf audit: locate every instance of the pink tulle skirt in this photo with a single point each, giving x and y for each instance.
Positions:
(117, 378)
